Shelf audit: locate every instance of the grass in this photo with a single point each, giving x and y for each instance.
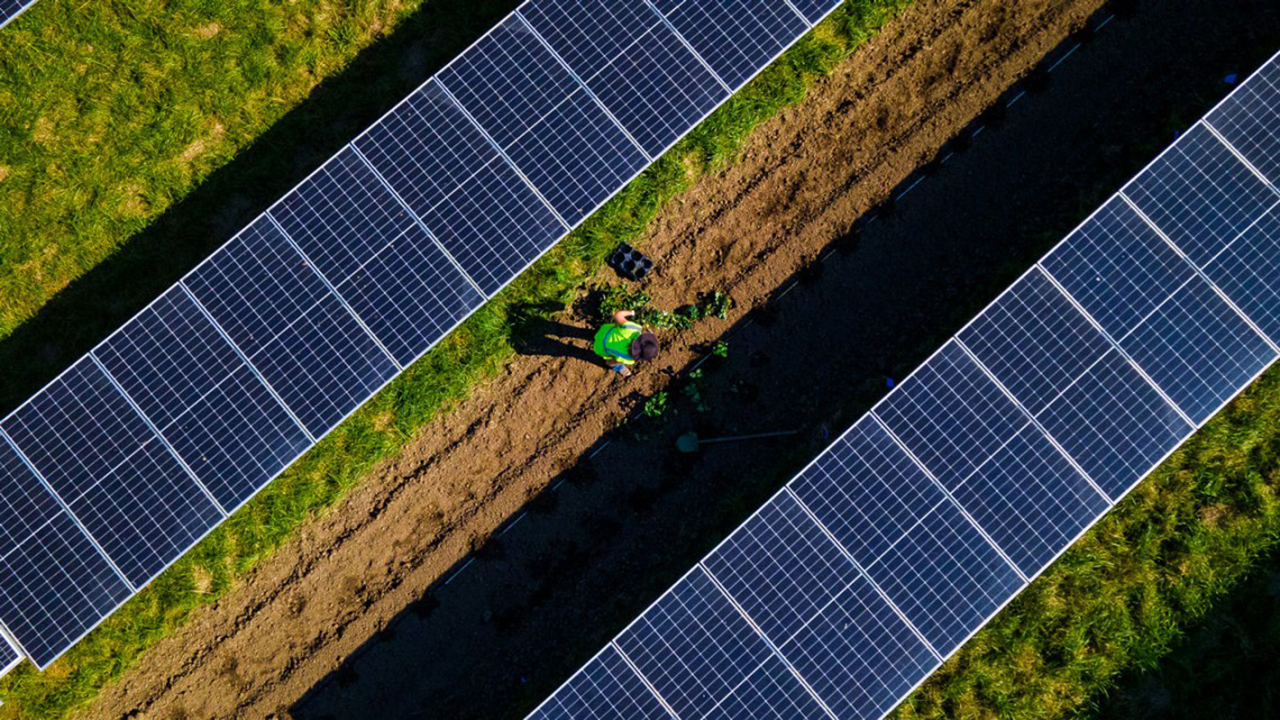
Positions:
(119, 179)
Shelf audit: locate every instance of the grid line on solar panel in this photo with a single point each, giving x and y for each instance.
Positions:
(55, 587)
(1248, 118)
(1198, 194)
(693, 645)
(1197, 266)
(779, 567)
(858, 654)
(772, 691)
(1114, 423)
(297, 333)
(950, 415)
(156, 431)
(1248, 272)
(245, 359)
(337, 295)
(1241, 157)
(685, 41)
(1198, 349)
(633, 62)
(417, 222)
(585, 88)
(340, 215)
(10, 656)
(735, 38)
(946, 577)
(1034, 424)
(606, 687)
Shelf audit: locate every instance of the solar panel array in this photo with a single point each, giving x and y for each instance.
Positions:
(10, 9)
(875, 563)
(138, 450)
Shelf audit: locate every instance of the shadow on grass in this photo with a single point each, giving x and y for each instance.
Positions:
(99, 301)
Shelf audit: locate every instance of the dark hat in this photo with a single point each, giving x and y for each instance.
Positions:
(645, 347)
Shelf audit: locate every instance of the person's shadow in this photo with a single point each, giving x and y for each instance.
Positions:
(533, 333)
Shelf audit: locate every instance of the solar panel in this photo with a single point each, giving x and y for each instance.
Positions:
(607, 687)
(194, 405)
(735, 37)
(1248, 118)
(1248, 270)
(914, 527)
(55, 583)
(278, 310)
(636, 65)
(1199, 194)
(9, 655)
(10, 9)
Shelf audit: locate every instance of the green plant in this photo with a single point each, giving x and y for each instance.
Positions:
(720, 349)
(656, 405)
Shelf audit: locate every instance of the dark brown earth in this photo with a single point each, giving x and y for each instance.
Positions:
(352, 618)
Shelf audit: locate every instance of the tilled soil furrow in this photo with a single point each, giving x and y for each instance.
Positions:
(804, 179)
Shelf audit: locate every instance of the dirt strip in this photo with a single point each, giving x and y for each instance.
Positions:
(804, 181)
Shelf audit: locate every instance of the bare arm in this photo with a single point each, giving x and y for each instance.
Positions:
(620, 317)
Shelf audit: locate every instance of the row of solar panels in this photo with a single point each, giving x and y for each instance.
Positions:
(129, 457)
(10, 9)
(900, 540)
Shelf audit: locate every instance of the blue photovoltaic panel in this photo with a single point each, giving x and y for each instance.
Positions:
(37, 536)
(633, 62)
(693, 646)
(1114, 424)
(99, 456)
(735, 37)
(294, 330)
(508, 81)
(554, 133)
(604, 689)
(1199, 194)
(1030, 500)
(1249, 118)
(1198, 350)
(54, 587)
(426, 148)
(493, 226)
(814, 10)
(950, 415)
(219, 417)
(9, 657)
(1034, 340)
(576, 157)
(1248, 271)
(858, 655)
(780, 567)
(410, 294)
(771, 692)
(341, 216)
(144, 513)
(25, 503)
(10, 9)
(945, 577)
(1117, 267)
(867, 491)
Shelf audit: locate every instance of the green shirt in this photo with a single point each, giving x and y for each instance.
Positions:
(613, 342)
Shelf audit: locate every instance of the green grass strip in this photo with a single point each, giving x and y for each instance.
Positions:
(93, 199)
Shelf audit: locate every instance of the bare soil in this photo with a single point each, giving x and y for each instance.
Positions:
(353, 618)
